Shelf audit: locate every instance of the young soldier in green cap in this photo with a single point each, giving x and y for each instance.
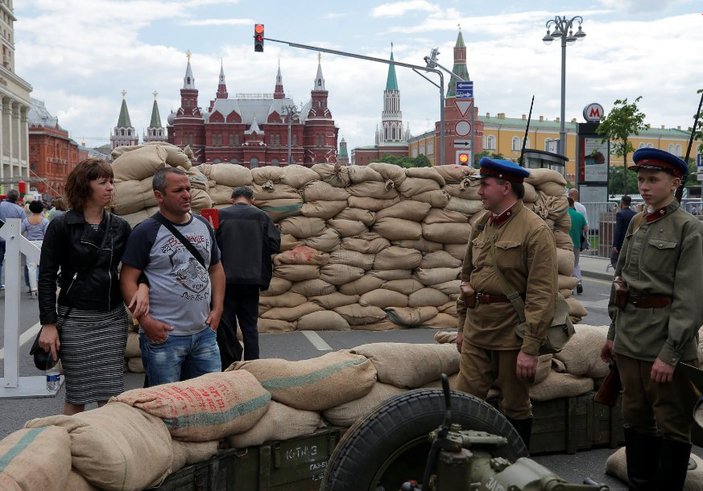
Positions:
(656, 312)
(520, 244)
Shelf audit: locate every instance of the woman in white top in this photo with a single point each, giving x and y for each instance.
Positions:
(34, 229)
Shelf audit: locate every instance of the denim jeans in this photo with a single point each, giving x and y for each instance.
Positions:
(180, 357)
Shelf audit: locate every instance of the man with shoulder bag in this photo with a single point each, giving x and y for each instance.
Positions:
(509, 294)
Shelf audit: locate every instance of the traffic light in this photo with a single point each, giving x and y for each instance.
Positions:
(259, 38)
(463, 158)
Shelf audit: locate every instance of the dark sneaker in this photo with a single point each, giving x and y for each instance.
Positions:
(579, 288)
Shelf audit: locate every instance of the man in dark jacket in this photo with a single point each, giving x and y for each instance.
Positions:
(622, 220)
(247, 238)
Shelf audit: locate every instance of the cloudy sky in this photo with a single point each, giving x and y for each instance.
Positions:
(79, 55)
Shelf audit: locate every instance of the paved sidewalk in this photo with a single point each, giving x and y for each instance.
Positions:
(596, 267)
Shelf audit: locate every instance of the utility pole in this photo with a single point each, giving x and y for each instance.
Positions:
(290, 111)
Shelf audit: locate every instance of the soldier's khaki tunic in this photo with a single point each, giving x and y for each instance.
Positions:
(663, 255)
(526, 253)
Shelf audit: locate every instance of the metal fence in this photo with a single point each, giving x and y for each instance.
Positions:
(601, 225)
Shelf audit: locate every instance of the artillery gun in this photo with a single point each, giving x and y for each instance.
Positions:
(398, 447)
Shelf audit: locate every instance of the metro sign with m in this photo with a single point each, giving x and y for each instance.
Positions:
(593, 112)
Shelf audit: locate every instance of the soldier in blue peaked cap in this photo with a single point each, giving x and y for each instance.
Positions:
(655, 159)
(503, 169)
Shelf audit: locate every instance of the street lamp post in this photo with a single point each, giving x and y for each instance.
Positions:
(290, 111)
(563, 28)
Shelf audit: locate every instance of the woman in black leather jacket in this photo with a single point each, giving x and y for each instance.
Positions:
(87, 326)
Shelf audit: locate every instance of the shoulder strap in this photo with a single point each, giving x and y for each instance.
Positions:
(515, 299)
(637, 221)
(191, 248)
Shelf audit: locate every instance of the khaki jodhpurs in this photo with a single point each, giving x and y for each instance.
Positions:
(649, 407)
(480, 368)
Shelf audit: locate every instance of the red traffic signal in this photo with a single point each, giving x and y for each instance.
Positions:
(463, 158)
(259, 38)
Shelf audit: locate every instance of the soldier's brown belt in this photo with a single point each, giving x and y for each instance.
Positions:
(485, 298)
(649, 301)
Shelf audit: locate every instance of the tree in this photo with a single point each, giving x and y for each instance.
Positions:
(623, 120)
(406, 162)
(622, 181)
(486, 153)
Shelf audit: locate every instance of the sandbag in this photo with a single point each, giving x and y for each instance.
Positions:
(367, 243)
(391, 172)
(563, 240)
(422, 244)
(302, 227)
(291, 314)
(395, 257)
(139, 163)
(444, 337)
(391, 274)
(288, 299)
(397, 229)
(361, 286)
(552, 189)
(357, 315)
(530, 193)
(449, 288)
(109, 445)
(410, 316)
(441, 215)
(447, 233)
(352, 258)
(261, 175)
(336, 299)
(186, 453)
(277, 286)
(456, 250)
(275, 325)
(425, 173)
(576, 308)
(383, 298)
(133, 196)
(382, 325)
(567, 282)
(427, 296)
(452, 173)
(327, 241)
(226, 174)
(404, 286)
(371, 204)
(313, 287)
(76, 482)
(558, 385)
(319, 190)
(220, 194)
(278, 209)
(540, 176)
(437, 199)
(465, 206)
(449, 307)
(135, 364)
(415, 185)
(407, 209)
(339, 274)
(280, 422)
(350, 412)
(373, 189)
(335, 174)
(435, 276)
(35, 459)
(302, 255)
(132, 348)
(581, 354)
(315, 384)
(325, 320)
(442, 321)
(362, 173)
(322, 209)
(298, 176)
(347, 228)
(199, 200)
(439, 259)
(565, 262)
(296, 272)
(397, 363)
(366, 217)
(205, 408)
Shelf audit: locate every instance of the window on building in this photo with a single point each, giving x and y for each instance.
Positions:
(216, 161)
(254, 162)
(393, 133)
(385, 133)
(275, 162)
(516, 146)
(413, 152)
(490, 142)
(294, 140)
(430, 147)
(233, 161)
(677, 151)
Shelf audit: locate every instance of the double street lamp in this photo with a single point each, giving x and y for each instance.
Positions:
(563, 28)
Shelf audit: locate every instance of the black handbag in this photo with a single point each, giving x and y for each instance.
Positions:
(42, 359)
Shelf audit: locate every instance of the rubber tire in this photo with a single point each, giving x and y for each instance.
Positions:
(369, 444)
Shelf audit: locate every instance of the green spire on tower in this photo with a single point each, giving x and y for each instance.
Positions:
(123, 121)
(392, 81)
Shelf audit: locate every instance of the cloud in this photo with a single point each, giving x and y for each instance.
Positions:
(397, 9)
(219, 22)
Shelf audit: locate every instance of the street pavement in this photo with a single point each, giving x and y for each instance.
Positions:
(303, 345)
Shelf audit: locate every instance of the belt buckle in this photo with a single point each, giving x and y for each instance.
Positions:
(634, 300)
(478, 298)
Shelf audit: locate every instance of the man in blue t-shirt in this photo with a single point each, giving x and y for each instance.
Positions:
(177, 337)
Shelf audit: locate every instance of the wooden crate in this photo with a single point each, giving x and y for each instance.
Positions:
(608, 425)
(562, 425)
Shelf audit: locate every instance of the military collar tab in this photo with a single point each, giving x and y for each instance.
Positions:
(661, 212)
(498, 220)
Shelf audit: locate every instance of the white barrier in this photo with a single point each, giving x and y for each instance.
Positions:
(12, 385)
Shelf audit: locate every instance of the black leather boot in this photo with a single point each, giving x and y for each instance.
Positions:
(673, 464)
(523, 428)
(642, 454)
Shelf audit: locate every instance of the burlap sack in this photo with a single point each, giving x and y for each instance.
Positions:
(563, 240)
(465, 206)
(186, 453)
(442, 321)
(278, 209)
(368, 243)
(133, 196)
(371, 204)
(347, 228)
(425, 173)
(339, 274)
(439, 259)
(565, 262)
(261, 175)
(383, 298)
(440, 215)
(463, 191)
(581, 354)
(410, 316)
(567, 282)
(395, 257)
(407, 209)
(314, 287)
(109, 445)
(199, 200)
(335, 174)
(366, 217)
(566, 293)
(36, 458)
(361, 286)
(302, 227)
(322, 209)
(427, 296)
(220, 194)
(279, 423)
(277, 286)
(540, 176)
(319, 190)
(349, 413)
(302, 255)
(530, 193)
(352, 258)
(315, 384)
(298, 176)
(437, 199)
(291, 314)
(448, 287)
(456, 250)
(449, 307)
(132, 348)
(576, 308)
(415, 185)
(455, 173)
(447, 233)
(325, 320)
(389, 171)
(558, 385)
(373, 189)
(270, 191)
(288, 299)
(422, 244)
(552, 189)
(563, 223)
(435, 276)
(229, 175)
(397, 229)
(327, 241)
(391, 274)
(382, 325)
(616, 466)
(296, 272)
(396, 363)
(275, 325)
(404, 286)
(135, 364)
(335, 299)
(362, 173)
(139, 163)
(76, 482)
(445, 337)
(205, 408)
(357, 315)
(134, 219)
